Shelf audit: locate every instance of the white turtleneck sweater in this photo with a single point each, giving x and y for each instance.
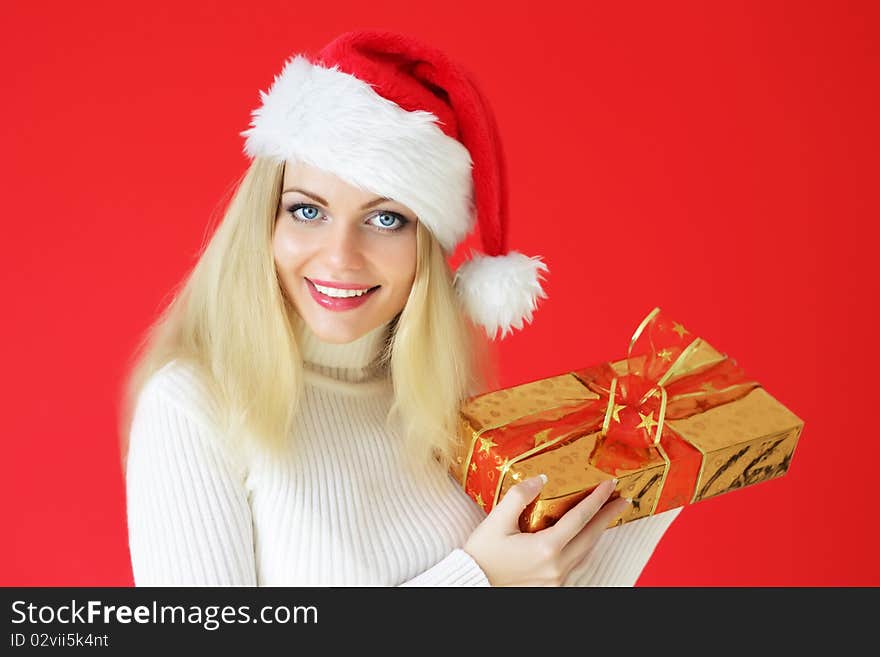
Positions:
(348, 510)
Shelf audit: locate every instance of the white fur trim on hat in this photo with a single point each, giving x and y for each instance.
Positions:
(337, 122)
(499, 292)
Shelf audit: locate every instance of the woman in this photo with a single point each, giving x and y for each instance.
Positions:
(293, 411)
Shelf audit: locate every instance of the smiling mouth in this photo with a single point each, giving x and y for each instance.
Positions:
(334, 292)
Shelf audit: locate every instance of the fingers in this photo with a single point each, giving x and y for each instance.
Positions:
(570, 524)
(580, 545)
(517, 497)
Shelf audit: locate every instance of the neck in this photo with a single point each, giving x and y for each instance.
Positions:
(356, 361)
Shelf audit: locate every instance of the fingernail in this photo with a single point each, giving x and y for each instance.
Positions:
(615, 481)
(543, 478)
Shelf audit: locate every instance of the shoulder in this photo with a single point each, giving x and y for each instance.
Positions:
(177, 418)
(179, 384)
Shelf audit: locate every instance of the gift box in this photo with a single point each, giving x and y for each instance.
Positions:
(675, 421)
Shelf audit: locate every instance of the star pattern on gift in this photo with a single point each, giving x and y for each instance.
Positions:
(473, 466)
(665, 354)
(480, 501)
(648, 421)
(681, 330)
(504, 467)
(542, 436)
(486, 444)
(615, 412)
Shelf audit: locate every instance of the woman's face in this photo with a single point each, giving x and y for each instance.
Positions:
(332, 239)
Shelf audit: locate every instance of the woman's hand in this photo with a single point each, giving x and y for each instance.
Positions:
(509, 557)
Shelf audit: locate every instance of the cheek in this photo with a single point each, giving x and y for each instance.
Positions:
(402, 262)
(287, 252)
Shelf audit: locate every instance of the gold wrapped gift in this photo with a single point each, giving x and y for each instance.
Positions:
(675, 424)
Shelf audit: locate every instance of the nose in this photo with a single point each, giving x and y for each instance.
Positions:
(344, 248)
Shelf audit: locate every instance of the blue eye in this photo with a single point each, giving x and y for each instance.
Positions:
(387, 219)
(310, 212)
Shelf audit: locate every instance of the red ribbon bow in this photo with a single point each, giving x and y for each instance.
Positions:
(654, 387)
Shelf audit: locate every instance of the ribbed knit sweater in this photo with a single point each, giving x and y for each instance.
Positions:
(348, 509)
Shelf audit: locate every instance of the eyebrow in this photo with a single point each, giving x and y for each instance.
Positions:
(375, 201)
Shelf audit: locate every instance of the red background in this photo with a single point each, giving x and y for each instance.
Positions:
(719, 162)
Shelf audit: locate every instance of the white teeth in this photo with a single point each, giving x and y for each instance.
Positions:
(339, 294)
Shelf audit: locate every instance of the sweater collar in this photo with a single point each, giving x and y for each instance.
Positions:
(354, 361)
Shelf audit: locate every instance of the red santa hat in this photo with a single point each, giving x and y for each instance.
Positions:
(397, 117)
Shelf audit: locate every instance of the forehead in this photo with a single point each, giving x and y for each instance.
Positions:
(317, 180)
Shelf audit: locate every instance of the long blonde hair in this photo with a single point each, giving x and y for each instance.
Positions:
(231, 321)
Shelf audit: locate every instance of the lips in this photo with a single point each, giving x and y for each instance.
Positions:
(339, 304)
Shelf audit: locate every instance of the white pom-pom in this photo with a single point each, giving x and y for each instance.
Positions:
(499, 292)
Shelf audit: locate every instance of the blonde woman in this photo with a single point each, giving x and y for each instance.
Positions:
(291, 416)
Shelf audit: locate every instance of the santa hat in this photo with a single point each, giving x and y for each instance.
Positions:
(396, 117)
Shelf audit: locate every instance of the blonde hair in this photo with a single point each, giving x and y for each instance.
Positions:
(231, 321)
